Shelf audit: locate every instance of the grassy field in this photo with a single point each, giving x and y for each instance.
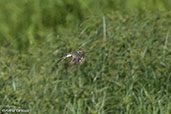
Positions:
(126, 68)
(27, 22)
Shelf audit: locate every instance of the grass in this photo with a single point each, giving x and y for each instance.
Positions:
(28, 22)
(126, 69)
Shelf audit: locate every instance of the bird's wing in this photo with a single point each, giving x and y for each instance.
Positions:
(75, 60)
(66, 56)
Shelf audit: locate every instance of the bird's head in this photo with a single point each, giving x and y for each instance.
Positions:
(80, 52)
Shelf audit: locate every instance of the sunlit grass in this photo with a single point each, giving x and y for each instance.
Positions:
(127, 71)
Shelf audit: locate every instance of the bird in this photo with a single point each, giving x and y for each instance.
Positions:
(76, 57)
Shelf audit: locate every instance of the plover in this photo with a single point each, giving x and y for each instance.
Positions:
(76, 57)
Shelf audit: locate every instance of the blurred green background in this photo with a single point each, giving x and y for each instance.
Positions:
(29, 21)
(126, 67)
